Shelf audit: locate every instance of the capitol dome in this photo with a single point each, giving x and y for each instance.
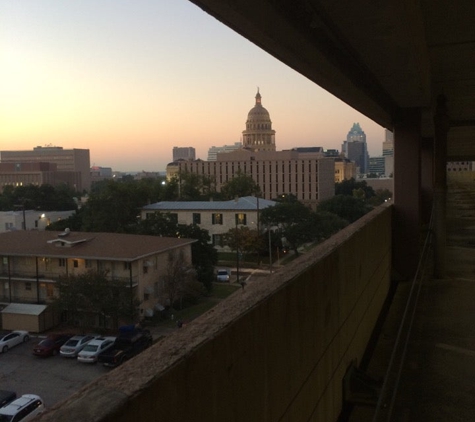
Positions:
(258, 113)
(259, 135)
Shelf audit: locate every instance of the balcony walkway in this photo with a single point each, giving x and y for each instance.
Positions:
(436, 382)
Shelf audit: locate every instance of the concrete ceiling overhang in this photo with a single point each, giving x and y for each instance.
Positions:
(385, 59)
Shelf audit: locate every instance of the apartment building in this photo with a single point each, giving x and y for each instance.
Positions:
(31, 262)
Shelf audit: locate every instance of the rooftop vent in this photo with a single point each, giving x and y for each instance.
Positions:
(65, 233)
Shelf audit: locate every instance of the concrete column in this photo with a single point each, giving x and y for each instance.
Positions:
(441, 128)
(407, 191)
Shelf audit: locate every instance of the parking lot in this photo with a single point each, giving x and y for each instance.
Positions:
(53, 379)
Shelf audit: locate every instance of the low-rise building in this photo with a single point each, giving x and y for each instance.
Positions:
(30, 219)
(345, 169)
(218, 217)
(32, 261)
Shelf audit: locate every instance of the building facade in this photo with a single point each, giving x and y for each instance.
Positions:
(36, 173)
(99, 174)
(30, 219)
(31, 262)
(66, 160)
(217, 217)
(345, 169)
(308, 176)
(184, 153)
(213, 151)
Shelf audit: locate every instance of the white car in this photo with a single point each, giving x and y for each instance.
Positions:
(23, 409)
(74, 345)
(90, 353)
(7, 341)
(222, 275)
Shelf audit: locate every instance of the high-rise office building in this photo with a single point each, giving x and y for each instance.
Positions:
(66, 160)
(388, 144)
(258, 135)
(356, 149)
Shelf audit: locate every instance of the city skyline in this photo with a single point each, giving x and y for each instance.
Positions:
(130, 81)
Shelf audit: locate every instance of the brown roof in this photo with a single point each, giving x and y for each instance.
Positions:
(106, 246)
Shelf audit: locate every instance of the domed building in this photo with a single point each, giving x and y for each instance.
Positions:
(258, 135)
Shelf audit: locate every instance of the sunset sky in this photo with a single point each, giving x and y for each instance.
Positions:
(131, 79)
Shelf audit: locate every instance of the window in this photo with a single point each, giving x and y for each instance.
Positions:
(27, 286)
(145, 269)
(146, 297)
(217, 218)
(196, 218)
(62, 262)
(75, 263)
(241, 218)
(127, 266)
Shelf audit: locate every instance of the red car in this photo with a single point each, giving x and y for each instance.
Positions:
(50, 345)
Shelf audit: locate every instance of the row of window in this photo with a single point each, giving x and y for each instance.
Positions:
(216, 218)
(62, 262)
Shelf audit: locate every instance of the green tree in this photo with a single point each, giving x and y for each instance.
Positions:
(351, 187)
(295, 221)
(177, 278)
(244, 240)
(326, 224)
(44, 198)
(350, 208)
(93, 293)
(115, 207)
(239, 186)
(381, 196)
(193, 187)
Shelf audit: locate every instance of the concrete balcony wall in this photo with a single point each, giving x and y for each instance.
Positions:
(275, 351)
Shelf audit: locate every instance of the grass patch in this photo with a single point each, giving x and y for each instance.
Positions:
(223, 290)
(220, 292)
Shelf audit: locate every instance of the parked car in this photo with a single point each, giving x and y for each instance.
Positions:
(92, 350)
(222, 275)
(6, 397)
(74, 345)
(23, 409)
(128, 344)
(7, 341)
(50, 345)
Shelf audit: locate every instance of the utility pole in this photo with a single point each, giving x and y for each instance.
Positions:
(270, 251)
